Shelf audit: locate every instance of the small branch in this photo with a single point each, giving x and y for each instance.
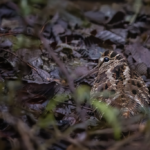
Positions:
(11, 33)
(60, 64)
(25, 63)
(110, 130)
(81, 106)
(90, 72)
(20, 59)
(22, 128)
(127, 140)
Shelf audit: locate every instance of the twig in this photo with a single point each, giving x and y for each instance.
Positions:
(110, 130)
(82, 77)
(20, 59)
(129, 139)
(24, 62)
(10, 33)
(60, 64)
(22, 128)
(75, 105)
(136, 8)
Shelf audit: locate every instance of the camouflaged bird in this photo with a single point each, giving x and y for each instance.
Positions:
(119, 86)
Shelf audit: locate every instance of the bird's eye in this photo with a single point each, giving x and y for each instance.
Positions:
(106, 59)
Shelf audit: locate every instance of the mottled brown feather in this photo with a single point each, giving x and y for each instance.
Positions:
(127, 90)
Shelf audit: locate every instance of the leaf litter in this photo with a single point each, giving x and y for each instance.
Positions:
(48, 52)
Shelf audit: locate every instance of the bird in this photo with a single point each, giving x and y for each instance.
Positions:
(119, 86)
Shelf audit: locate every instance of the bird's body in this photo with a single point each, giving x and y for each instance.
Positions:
(119, 86)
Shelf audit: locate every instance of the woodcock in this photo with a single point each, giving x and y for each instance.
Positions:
(119, 86)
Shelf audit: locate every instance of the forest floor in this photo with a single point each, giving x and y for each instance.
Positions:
(48, 50)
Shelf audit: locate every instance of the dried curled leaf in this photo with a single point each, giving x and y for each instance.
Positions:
(107, 35)
(33, 96)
